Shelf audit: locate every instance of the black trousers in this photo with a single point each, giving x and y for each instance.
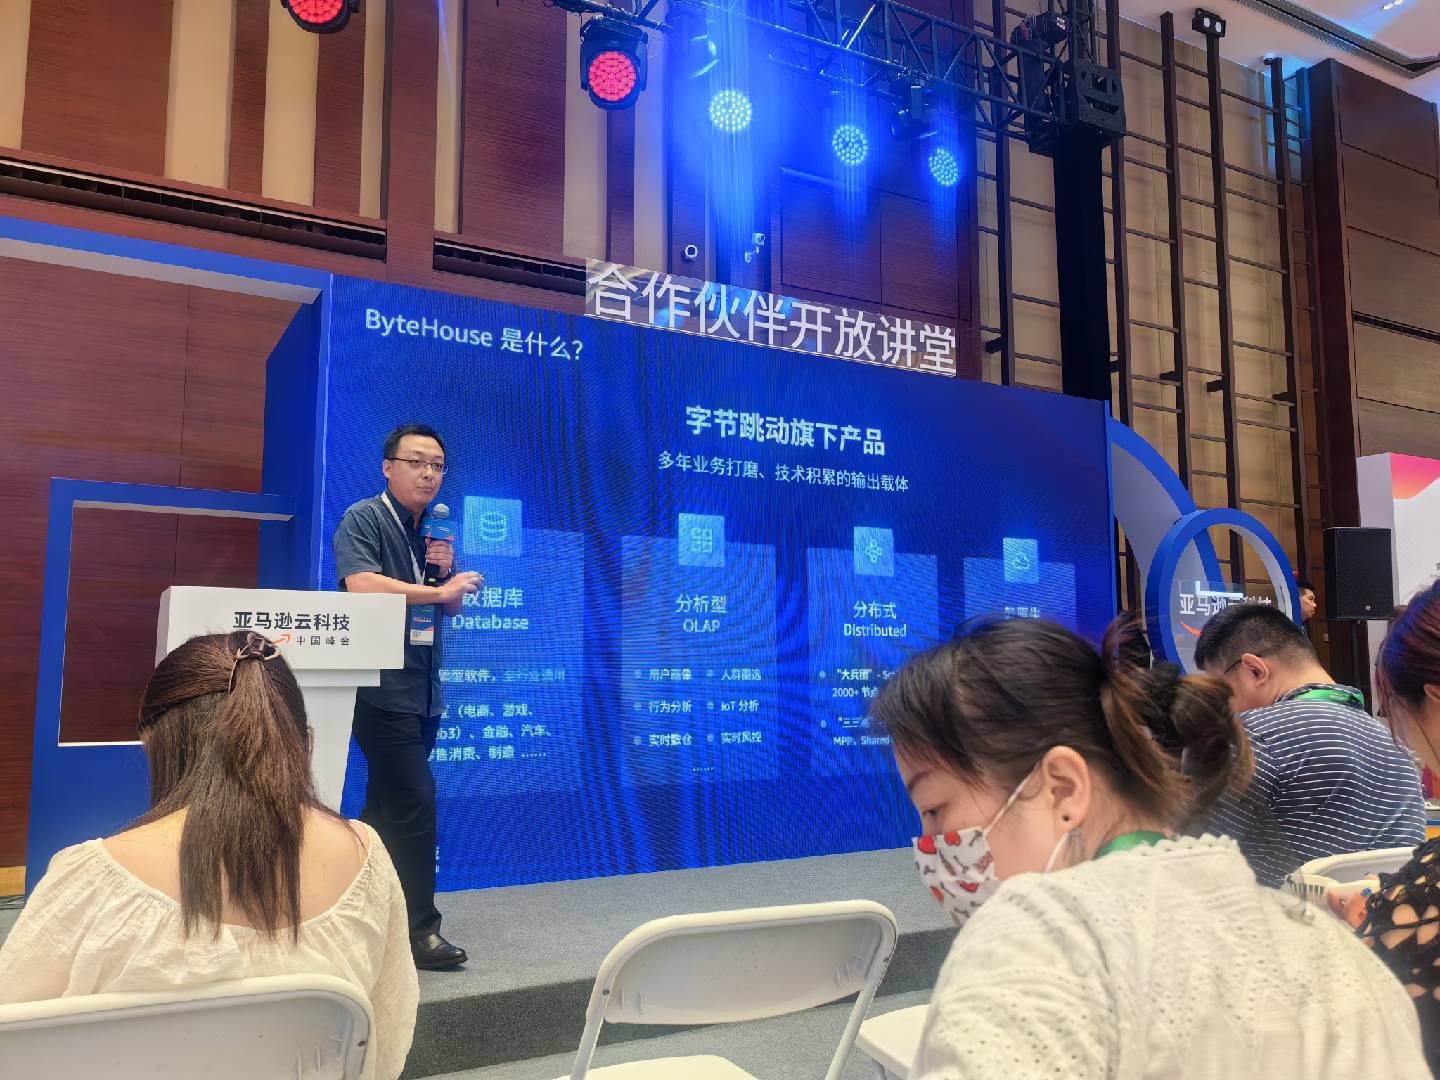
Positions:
(400, 802)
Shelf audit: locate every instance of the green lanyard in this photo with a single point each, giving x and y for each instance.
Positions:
(1337, 695)
(1130, 840)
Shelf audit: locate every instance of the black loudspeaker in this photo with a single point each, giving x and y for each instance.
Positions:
(1359, 576)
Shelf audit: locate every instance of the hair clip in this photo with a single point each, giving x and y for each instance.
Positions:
(256, 647)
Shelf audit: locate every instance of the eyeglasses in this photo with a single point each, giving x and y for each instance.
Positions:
(1236, 664)
(420, 465)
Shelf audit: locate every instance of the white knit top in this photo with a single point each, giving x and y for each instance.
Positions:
(1166, 962)
(92, 926)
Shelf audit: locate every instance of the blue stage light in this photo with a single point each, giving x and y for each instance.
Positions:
(944, 169)
(850, 144)
(730, 111)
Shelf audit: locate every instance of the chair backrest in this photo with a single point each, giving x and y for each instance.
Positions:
(302, 1026)
(729, 966)
(1319, 877)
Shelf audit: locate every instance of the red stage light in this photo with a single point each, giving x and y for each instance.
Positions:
(612, 62)
(316, 11)
(321, 16)
(612, 76)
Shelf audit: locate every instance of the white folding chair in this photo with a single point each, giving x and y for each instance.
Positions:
(285, 1026)
(725, 967)
(892, 1040)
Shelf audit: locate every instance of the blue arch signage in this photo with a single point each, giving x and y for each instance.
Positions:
(1169, 536)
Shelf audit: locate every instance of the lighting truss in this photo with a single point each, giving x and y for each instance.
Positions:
(883, 49)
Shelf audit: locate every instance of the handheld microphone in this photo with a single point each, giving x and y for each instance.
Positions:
(436, 526)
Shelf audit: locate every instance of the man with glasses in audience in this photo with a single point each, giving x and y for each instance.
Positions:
(379, 547)
(1329, 778)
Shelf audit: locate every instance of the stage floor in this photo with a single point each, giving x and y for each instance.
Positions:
(553, 932)
(535, 949)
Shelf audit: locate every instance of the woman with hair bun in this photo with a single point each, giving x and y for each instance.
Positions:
(1054, 782)
(236, 871)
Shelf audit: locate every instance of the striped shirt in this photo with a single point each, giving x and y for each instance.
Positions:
(1329, 779)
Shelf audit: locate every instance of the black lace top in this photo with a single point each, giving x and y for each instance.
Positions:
(1402, 925)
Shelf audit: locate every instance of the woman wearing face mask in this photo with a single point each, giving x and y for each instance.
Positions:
(1048, 781)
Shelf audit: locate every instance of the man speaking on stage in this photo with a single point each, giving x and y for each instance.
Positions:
(384, 544)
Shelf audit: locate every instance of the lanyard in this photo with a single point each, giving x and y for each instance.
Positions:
(1130, 840)
(1337, 695)
(415, 566)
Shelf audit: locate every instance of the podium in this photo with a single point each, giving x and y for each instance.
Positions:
(335, 642)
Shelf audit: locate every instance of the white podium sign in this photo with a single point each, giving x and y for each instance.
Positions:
(333, 641)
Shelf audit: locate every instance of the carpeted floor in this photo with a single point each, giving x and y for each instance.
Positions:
(795, 1047)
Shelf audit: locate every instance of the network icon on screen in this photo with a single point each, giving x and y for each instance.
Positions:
(701, 540)
(874, 551)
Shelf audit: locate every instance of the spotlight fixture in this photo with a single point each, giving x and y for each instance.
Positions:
(1050, 27)
(944, 168)
(850, 145)
(1208, 23)
(612, 62)
(321, 16)
(730, 111)
(693, 50)
(916, 120)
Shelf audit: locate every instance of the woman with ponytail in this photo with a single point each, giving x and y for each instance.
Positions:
(1054, 783)
(236, 871)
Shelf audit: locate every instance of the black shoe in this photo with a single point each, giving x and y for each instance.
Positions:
(433, 953)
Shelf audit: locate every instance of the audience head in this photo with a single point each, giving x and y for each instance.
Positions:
(1408, 675)
(1260, 652)
(223, 725)
(1089, 743)
(1307, 600)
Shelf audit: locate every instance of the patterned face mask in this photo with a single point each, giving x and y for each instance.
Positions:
(959, 868)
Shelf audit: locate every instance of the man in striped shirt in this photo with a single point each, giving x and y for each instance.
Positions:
(1329, 777)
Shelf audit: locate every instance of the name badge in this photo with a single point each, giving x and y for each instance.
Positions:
(422, 624)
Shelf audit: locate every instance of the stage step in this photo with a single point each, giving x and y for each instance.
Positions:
(535, 950)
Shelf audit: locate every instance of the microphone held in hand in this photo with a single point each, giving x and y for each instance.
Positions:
(436, 526)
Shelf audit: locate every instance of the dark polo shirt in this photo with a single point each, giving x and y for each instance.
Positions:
(369, 541)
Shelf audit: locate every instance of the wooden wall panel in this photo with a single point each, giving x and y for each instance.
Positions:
(1390, 429)
(1397, 368)
(247, 95)
(820, 251)
(919, 261)
(97, 82)
(339, 117)
(513, 132)
(1386, 121)
(1393, 282)
(229, 338)
(121, 562)
(123, 379)
(408, 199)
(1389, 200)
(70, 413)
(225, 386)
(620, 187)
